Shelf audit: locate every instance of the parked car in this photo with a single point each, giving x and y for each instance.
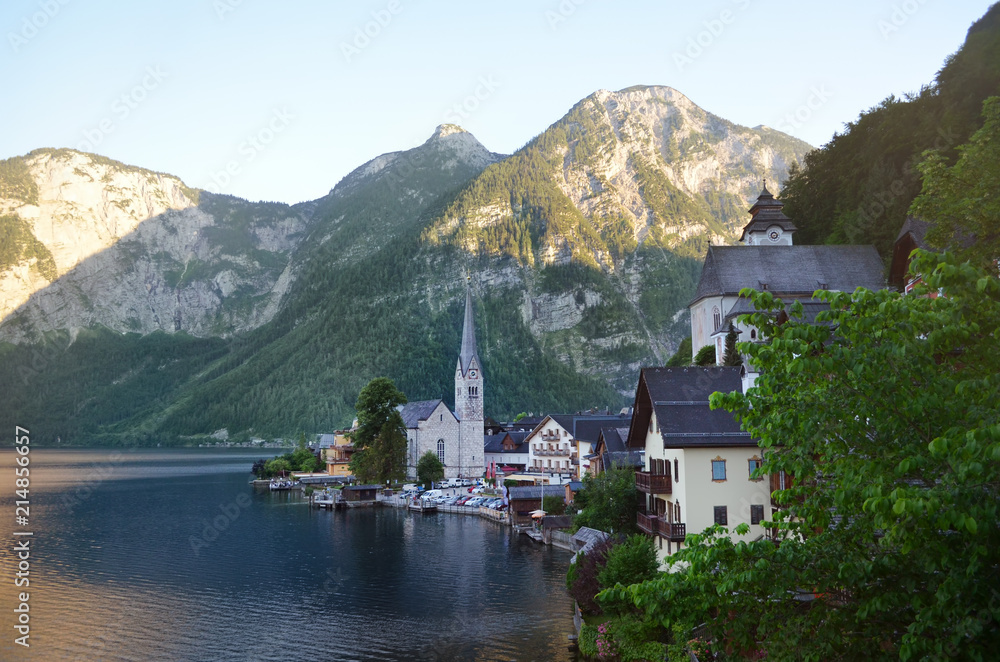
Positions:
(474, 502)
(461, 500)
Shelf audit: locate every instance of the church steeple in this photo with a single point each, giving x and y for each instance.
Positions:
(768, 224)
(468, 355)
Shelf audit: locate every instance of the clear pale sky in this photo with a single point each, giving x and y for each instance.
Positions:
(296, 94)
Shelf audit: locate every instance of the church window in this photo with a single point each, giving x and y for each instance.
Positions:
(753, 334)
(716, 318)
(441, 450)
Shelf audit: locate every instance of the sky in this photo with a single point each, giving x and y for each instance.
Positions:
(279, 101)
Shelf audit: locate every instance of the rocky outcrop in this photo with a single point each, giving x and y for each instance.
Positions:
(138, 251)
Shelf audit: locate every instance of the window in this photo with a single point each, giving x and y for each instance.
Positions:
(677, 471)
(718, 469)
(753, 334)
(753, 465)
(716, 318)
(721, 516)
(756, 513)
(441, 450)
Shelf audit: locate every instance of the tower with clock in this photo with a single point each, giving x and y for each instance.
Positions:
(768, 225)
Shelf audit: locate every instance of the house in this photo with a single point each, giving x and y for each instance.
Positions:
(525, 500)
(610, 450)
(506, 449)
(769, 260)
(699, 465)
(560, 445)
(455, 437)
(572, 487)
(336, 451)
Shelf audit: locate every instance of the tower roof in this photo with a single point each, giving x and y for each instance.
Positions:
(765, 213)
(468, 336)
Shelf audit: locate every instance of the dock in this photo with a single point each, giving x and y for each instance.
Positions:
(421, 506)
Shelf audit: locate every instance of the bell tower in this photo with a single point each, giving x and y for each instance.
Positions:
(469, 391)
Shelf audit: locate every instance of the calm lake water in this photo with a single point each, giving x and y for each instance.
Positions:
(170, 555)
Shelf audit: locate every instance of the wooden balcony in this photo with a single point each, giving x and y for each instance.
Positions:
(653, 483)
(652, 525)
(648, 523)
(674, 531)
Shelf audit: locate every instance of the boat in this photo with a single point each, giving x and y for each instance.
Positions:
(422, 506)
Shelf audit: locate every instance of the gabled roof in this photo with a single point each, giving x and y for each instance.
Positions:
(796, 270)
(327, 440)
(679, 397)
(414, 412)
(584, 427)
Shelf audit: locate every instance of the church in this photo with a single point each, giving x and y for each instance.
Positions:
(767, 259)
(456, 437)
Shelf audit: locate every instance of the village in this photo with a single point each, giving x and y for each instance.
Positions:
(694, 467)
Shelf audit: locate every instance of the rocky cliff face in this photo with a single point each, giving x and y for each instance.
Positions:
(134, 250)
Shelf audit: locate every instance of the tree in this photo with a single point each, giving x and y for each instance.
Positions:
(683, 354)
(961, 201)
(429, 468)
(631, 562)
(705, 356)
(732, 355)
(885, 413)
(379, 441)
(609, 501)
(553, 504)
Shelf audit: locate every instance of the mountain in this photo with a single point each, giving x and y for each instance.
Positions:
(178, 313)
(103, 243)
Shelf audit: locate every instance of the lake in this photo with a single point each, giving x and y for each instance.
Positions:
(169, 554)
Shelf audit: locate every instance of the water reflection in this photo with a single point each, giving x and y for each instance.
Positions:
(116, 575)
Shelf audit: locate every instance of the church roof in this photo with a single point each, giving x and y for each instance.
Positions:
(765, 213)
(414, 412)
(789, 269)
(468, 336)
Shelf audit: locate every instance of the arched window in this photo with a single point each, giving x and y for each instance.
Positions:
(716, 318)
(753, 334)
(441, 450)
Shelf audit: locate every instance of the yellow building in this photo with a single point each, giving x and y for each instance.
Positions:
(336, 450)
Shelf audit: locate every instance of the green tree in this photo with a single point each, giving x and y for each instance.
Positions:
(553, 505)
(682, 356)
(609, 501)
(429, 468)
(732, 356)
(705, 356)
(961, 201)
(379, 441)
(885, 414)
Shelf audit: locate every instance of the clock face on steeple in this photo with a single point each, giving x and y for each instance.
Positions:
(774, 235)
(473, 373)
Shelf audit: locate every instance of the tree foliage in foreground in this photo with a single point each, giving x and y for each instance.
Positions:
(379, 441)
(886, 412)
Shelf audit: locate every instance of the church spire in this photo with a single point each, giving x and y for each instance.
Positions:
(468, 335)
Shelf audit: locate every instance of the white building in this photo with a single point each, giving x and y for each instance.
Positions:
(768, 260)
(698, 462)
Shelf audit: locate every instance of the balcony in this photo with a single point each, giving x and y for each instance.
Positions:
(653, 483)
(674, 531)
(557, 451)
(652, 525)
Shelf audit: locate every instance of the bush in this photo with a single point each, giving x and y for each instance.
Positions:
(631, 562)
(581, 578)
(705, 356)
